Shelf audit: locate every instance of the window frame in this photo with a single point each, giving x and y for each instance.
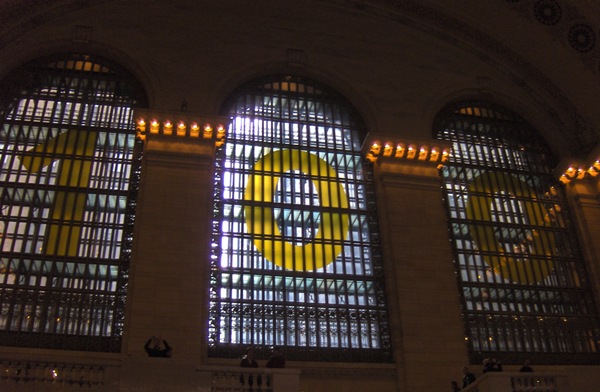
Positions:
(70, 174)
(511, 299)
(263, 104)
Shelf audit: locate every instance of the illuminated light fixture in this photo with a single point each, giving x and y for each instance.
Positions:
(386, 146)
(594, 169)
(220, 139)
(412, 152)
(194, 130)
(168, 128)
(387, 150)
(374, 151)
(208, 131)
(181, 128)
(577, 170)
(154, 127)
(400, 150)
(179, 125)
(434, 155)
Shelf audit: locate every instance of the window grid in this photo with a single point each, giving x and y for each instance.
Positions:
(69, 173)
(523, 283)
(295, 258)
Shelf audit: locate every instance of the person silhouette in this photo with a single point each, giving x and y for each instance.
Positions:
(455, 387)
(468, 378)
(526, 366)
(276, 360)
(248, 359)
(158, 347)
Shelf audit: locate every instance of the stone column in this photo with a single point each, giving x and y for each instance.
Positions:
(584, 202)
(582, 186)
(428, 332)
(168, 291)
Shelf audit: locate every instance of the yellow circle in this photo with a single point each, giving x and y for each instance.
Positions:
(542, 242)
(326, 245)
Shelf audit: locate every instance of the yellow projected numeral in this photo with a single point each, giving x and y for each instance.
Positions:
(74, 149)
(260, 220)
(523, 269)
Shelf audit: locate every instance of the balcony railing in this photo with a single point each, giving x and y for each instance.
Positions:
(28, 374)
(519, 382)
(52, 373)
(31, 372)
(232, 379)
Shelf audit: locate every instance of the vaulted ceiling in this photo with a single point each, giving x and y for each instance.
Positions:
(575, 23)
(554, 44)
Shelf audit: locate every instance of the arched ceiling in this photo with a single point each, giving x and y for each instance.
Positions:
(573, 23)
(504, 32)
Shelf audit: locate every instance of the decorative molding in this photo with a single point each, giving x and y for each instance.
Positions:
(547, 12)
(296, 57)
(582, 38)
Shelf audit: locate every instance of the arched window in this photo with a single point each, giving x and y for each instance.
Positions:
(296, 259)
(523, 282)
(68, 179)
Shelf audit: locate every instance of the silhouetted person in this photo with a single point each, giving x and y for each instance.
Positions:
(469, 377)
(277, 360)
(526, 366)
(248, 359)
(158, 347)
(491, 365)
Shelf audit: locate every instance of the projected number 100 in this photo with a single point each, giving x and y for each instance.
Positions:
(75, 150)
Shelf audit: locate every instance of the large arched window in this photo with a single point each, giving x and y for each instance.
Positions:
(67, 181)
(296, 259)
(523, 283)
